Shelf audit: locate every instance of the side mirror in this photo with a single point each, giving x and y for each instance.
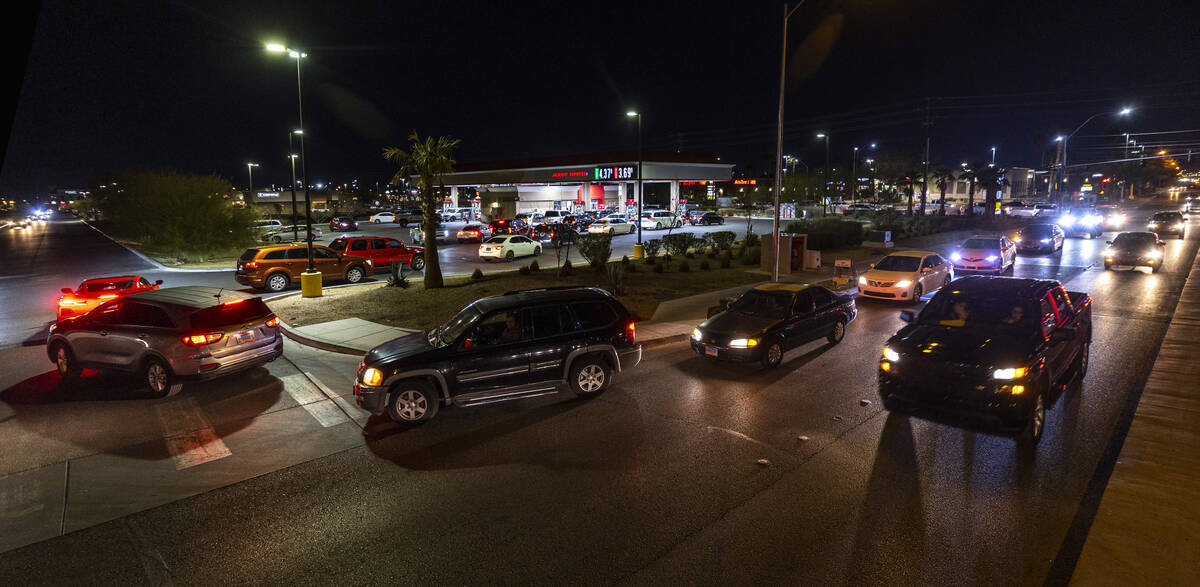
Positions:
(1108, 242)
(907, 316)
(67, 290)
(157, 282)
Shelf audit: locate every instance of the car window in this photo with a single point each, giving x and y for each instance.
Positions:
(144, 282)
(323, 253)
(359, 245)
(550, 321)
(1048, 317)
(929, 263)
(1062, 303)
(496, 240)
(498, 328)
(106, 314)
(593, 314)
(803, 304)
(821, 296)
(248, 254)
(338, 244)
(394, 244)
(139, 314)
(275, 255)
(379, 244)
(297, 253)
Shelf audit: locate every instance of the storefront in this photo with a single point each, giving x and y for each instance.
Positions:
(595, 182)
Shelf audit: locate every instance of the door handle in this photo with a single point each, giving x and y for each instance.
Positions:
(143, 336)
(103, 333)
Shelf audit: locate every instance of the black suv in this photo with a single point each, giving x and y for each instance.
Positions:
(517, 345)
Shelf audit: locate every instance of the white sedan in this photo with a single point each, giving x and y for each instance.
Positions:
(508, 247)
(906, 276)
(383, 217)
(611, 225)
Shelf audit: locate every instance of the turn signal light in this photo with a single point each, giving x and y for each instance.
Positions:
(372, 376)
(201, 339)
(630, 332)
(273, 322)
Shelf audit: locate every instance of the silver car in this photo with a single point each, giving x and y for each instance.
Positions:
(168, 336)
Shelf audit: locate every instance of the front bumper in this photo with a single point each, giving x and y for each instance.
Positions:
(885, 293)
(981, 265)
(727, 354)
(988, 407)
(1129, 261)
(371, 399)
(1035, 247)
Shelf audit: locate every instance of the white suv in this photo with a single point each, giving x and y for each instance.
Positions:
(660, 219)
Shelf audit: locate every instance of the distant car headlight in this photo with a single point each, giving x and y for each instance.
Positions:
(862, 280)
(1178, 226)
(1045, 240)
(956, 256)
(696, 334)
(743, 343)
(1109, 252)
(1091, 219)
(890, 355)
(1152, 224)
(1154, 254)
(992, 258)
(1066, 220)
(903, 283)
(372, 376)
(1016, 239)
(1010, 373)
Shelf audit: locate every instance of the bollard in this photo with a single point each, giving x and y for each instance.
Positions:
(639, 251)
(310, 284)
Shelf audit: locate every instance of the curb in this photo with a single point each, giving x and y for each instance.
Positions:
(157, 266)
(317, 344)
(664, 341)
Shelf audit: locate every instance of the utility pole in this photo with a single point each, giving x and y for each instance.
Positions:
(787, 13)
(250, 170)
(853, 173)
(925, 171)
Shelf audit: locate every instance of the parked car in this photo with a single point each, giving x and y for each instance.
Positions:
(476, 233)
(93, 292)
(508, 247)
(263, 226)
(706, 219)
(860, 208)
(380, 217)
(517, 345)
(905, 275)
(275, 267)
(510, 226)
(557, 234)
(1167, 223)
(382, 251)
(989, 353)
(1082, 221)
(288, 233)
(168, 336)
(1135, 249)
(342, 223)
(611, 225)
(771, 319)
(660, 219)
(991, 253)
(1040, 237)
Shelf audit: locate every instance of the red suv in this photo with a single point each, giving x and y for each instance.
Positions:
(381, 250)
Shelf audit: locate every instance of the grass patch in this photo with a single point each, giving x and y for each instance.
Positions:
(417, 307)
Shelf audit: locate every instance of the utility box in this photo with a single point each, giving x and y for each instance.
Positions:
(879, 238)
(812, 259)
(792, 253)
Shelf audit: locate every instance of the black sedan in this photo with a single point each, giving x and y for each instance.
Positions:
(771, 319)
(1135, 249)
(1167, 223)
(705, 218)
(1039, 238)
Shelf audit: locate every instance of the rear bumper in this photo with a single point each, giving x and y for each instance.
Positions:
(248, 280)
(993, 410)
(629, 358)
(202, 369)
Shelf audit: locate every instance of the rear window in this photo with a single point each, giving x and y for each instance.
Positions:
(593, 314)
(110, 285)
(497, 240)
(275, 255)
(338, 245)
(225, 315)
(248, 255)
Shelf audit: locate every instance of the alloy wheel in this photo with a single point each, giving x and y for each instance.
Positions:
(354, 275)
(277, 283)
(418, 262)
(839, 330)
(62, 360)
(591, 378)
(774, 354)
(412, 405)
(156, 377)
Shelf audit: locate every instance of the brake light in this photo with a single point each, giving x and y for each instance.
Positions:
(195, 340)
(72, 302)
(108, 296)
(250, 265)
(232, 302)
(630, 333)
(273, 322)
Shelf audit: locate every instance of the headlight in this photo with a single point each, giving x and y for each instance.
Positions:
(992, 258)
(862, 280)
(1016, 239)
(372, 377)
(1178, 226)
(695, 334)
(956, 256)
(1045, 240)
(1066, 220)
(1154, 254)
(890, 355)
(1011, 373)
(903, 283)
(1108, 252)
(743, 343)
(1152, 224)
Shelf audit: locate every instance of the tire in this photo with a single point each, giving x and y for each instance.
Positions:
(375, 221)
(64, 361)
(1155, 268)
(276, 239)
(1036, 426)
(657, 226)
(772, 355)
(417, 262)
(1081, 362)
(1108, 266)
(277, 282)
(589, 376)
(157, 377)
(917, 293)
(354, 274)
(839, 332)
(946, 282)
(537, 251)
(412, 402)
(509, 256)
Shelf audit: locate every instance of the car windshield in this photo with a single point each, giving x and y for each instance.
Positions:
(100, 286)
(496, 240)
(981, 243)
(1037, 230)
(1134, 240)
(763, 304)
(450, 331)
(903, 263)
(338, 245)
(961, 309)
(1168, 216)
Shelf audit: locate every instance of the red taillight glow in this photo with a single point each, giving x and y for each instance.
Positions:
(201, 339)
(273, 322)
(108, 296)
(72, 302)
(232, 302)
(630, 332)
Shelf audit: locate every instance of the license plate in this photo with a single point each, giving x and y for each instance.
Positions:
(245, 337)
(710, 350)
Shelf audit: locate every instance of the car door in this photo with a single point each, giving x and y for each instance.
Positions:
(494, 354)
(138, 327)
(327, 262)
(1055, 349)
(553, 332)
(1007, 252)
(826, 310)
(928, 276)
(380, 254)
(801, 322)
(89, 335)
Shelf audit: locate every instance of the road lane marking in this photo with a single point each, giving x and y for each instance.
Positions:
(188, 436)
(304, 389)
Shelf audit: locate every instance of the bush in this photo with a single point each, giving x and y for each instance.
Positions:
(523, 270)
(652, 247)
(625, 260)
(477, 275)
(677, 244)
(658, 268)
(666, 259)
(829, 233)
(704, 266)
(684, 267)
(689, 255)
(752, 256)
(534, 267)
(566, 268)
(595, 248)
(752, 240)
(722, 239)
(726, 262)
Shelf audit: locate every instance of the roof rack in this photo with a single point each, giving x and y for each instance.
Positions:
(551, 288)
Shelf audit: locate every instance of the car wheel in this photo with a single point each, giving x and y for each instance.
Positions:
(354, 274)
(276, 239)
(64, 360)
(375, 221)
(839, 332)
(589, 376)
(1032, 434)
(1107, 266)
(417, 263)
(917, 293)
(946, 281)
(158, 378)
(1081, 362)
(657, 226)
(772, 355)
(537, 251)
(509, 256)
(412, 402)
(277, 282)
(1155, 268)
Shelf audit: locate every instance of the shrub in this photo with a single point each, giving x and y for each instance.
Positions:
(477, 275)
(752, 240)
(726, 262)
(625, 260)
(689, 255)
(678, 243)
(566, 268)
(652, 247)
(534, 267)
(684, 267)
(595, 248)
(658, 268)
(616, 278)
(722, 239)
(704, 266)
(523, 270)
(828, 234)
(396, 276)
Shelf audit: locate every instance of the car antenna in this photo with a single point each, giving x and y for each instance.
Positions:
(219, 292)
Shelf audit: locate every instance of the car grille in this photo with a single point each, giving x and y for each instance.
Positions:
(879, 294)
(873, 283)
(972, 259)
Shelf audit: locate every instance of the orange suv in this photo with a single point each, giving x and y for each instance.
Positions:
(275, 267)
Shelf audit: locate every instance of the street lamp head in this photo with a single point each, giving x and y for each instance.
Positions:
(296, 54)
(1125, 111)
(252, 164)
(855, 149)
(632, 113)
(873, 145)
(1058, 139)
(276, 48)
(293, 156)
(297, 132)
(820, 135)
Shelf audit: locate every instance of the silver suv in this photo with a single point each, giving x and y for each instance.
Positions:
(168, 336)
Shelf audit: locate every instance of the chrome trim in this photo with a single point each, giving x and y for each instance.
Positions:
(544, 365)
(441, 380)
(479, 375)
(509, 393)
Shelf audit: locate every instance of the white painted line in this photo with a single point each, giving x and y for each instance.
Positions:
(304, 389)
(326, 413)
(188, 436)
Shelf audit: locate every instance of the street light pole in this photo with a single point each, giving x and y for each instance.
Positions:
(298, 55)
(787, 13)
(295, 228)
(825, 202)
(638, 115)
(853, 174)
(993, 156)
(250, 170)
(1122, 112)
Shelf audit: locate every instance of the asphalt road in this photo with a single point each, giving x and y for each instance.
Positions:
(686, 471)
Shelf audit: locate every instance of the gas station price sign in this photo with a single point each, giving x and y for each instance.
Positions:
(613, 173)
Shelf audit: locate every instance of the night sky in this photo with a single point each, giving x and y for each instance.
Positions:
(187, 85)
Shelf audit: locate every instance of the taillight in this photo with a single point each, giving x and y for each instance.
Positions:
(273, 322)
(201, 339)
(250, 264)
(72, 302)
(108, 296)
(233, 301)
(629, 333)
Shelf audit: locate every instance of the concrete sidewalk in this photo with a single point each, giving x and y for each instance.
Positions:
(1147, 528)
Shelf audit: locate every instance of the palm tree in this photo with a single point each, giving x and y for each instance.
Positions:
(989, 178)
(968, 173)
(941, 176)
(894, 168)
(428, 160)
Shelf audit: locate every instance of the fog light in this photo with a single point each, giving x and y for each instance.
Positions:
(886, 366)
(1018, 389)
